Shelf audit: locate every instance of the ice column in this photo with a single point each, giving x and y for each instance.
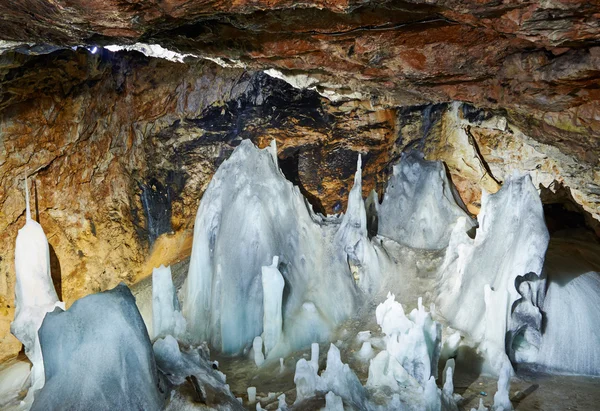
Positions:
(273, 283)
(166, 314)
(34, 292)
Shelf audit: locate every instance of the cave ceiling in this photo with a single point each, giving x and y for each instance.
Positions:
(538, 61)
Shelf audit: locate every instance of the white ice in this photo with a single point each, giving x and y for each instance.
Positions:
(411, 341)
(477, 281)
(419, 208)
(34, 293)
(166, 313)
(502, 396)
(248, 214)
(272, 285)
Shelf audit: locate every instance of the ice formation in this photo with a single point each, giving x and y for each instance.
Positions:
(478, 276)
(570, 339)
(193, 366)
(100, 345)
(166, 313)
(34, 293)
(402, 376)
(272, 285)
(248, 214)
(501, 398)
(420, 208)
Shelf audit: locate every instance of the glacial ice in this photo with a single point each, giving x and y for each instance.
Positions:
(420, 208)
(166, 313)
(249, 214)
(34, 293)
(478, 276)
(100, 345)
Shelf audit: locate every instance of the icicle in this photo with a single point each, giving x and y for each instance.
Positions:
(34, 292)
(27, 208)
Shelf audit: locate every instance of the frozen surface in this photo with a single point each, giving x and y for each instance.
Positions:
(419, 208)
(34, 293)
(401, 376)
(249, 214)
(272, 283)
(99, 346)
(166, 313)
(14, 379)
(570, 340)
(501, 398)
(192, 366)
(478, 276)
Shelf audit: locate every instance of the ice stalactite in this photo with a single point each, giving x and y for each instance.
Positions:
(166, 313)
(97, 355)
(34, 293)
(478, 276)
(272, 284)
(248, 214)
(419, 208)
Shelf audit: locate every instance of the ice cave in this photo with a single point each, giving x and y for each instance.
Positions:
(300, 205)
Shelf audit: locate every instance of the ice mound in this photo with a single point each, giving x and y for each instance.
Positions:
(413, 345)
(193, 366)
(419, 207)
(166, 313)
(249, 214)
(34, 293)
(402, 376)
(570, 338)
(477, 280)
(97, 355)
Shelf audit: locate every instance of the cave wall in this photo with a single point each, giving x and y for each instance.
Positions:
(119, 148)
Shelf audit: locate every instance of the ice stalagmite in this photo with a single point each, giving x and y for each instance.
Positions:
(477, 280)
(419, 207)
(166, 314)
(352, 237)
(401, 376)
(97, 355)
(34, 292)
(273, 284)
(248, 214)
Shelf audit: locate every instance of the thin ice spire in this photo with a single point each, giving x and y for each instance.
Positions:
(28, 210)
